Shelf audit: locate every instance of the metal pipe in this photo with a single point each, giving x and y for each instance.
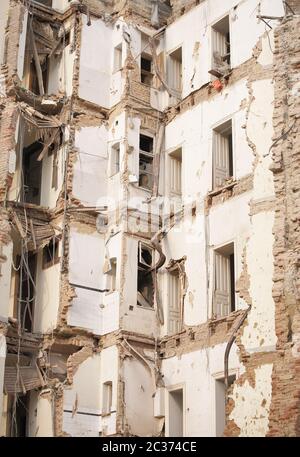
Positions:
(228, 347)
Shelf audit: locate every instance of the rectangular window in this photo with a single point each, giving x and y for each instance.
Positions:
(175, 171)
(224, 282)
(146, 69)
(174, 300)
(175, 70)
(107, 397)
(221, 48)
(111, 282)
(146, 162)
(145, 287)
(114, 160)
(176, 417)
(222, 154)
(220, 395)
(50, 253)
(118, 57)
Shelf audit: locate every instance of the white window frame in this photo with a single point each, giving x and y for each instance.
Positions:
(111, 279)
(114, 165)
(106, 406)
(171, 160)
(172, 309)
(118, 58)
(170, 72)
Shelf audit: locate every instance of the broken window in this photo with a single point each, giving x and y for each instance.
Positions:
(221, 48)
(145, 287)
(174, 302)
(175, 70)
(45, 43)
(111, 273)
(224, 282)
(118, 57)
(50, 253)
(107, 398)
(175, 416)
(222, 154)
(114, 159)
(32, 173)
(146, 162)
(175, 171)
(49, 143)
(146, 69)
(220, 396)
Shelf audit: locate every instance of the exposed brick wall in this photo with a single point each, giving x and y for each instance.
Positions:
(285, 406)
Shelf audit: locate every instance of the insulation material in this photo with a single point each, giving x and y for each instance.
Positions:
(85, 310)
(81, 416)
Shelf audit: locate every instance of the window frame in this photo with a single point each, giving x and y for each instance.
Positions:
(170, 60)
(233, 294)
(215, 129)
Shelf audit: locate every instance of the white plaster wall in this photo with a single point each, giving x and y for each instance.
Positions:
(5, 281)
(95, 62)
(139, 390)
(93, 372)
(197, 373)
(40, 416)
(47, 296)
(259, 334)
(60, 5)
(21, 48)
(89, 172)
(235, 212)
(86, 257)
(195, 27)
(117, 82)
(4, 8)
(110, 372)
(87, 420)
(260, 131)
(116, 134)
(190, 239)
(252, 404)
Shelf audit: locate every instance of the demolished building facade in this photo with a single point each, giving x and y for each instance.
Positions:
(149, 220)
